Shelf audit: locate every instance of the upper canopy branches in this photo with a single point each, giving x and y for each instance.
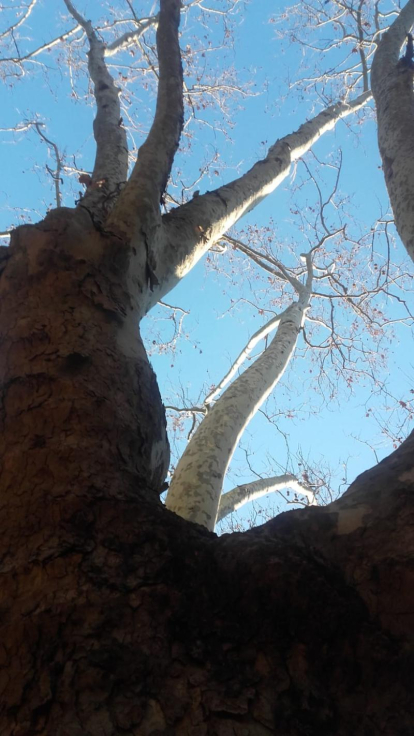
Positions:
(176, 241)
(111, 162)
(140, 200)
(141, 197)
(190, 230)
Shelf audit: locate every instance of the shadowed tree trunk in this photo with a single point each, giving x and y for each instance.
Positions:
(119, 617)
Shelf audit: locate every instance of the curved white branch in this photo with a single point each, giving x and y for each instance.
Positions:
(191, 229)
(128, 38)
(197, 483)
(240, 495)
(21, 20)
(260, 334)
(44, 47)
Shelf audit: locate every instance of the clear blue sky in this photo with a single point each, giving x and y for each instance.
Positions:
(263, 64)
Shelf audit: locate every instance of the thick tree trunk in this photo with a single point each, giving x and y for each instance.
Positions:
(119, 617)
(81, 413)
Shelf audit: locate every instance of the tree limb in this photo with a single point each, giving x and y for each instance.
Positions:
(127, 38)
(191, 229)
(139, 203)
(197, 482)
(56, 174)
(240, 495)
(260, 334)
(111, 161)
(44, 47)
(21, 20)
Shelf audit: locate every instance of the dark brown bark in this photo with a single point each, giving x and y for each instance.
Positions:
(81, 414)
(118, 617)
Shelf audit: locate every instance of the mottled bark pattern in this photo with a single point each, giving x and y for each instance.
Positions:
(143, 624)
(197, 482)
(119, 617)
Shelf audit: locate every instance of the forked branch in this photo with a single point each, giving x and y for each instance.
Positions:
(240, 495)
(111, 162)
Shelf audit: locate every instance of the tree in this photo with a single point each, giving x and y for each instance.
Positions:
(196, 488)
(119, 616)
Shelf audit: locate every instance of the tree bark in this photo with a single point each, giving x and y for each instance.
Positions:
(119, 617)
(392, 87)
(240, 495)
(75, 375)
(197, 482)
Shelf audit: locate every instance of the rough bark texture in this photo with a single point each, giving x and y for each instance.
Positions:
(75, 376)
(119, 617)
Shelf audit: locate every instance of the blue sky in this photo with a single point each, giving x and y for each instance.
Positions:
(262, 64)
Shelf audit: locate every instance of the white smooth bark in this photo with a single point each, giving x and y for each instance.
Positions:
(111, 161)
(240, 495)
(197, 483)
(190, 230)
(129, 37)
(260, 334)
(392, 87)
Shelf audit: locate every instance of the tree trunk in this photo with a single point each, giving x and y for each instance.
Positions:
(82, 418)
(118, 616)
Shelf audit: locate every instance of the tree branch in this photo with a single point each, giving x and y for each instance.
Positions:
(58, 170)
(139, 203)
(260, 334)
(127, 38)
(44, 47)
(111, 162)
(21, 20)
(240, 495)
(191, 229)
(197, 483)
